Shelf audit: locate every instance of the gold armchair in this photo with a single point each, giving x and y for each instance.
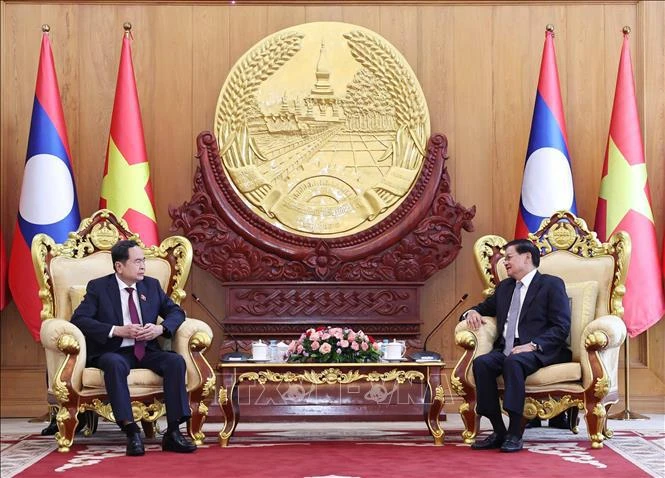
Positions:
(63, 271)
(594, 274)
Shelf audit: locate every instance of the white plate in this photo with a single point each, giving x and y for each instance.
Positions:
(401, 359)
(257, 360)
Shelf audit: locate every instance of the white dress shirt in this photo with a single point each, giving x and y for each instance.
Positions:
(526, 281)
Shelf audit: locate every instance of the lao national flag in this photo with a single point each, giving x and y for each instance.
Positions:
(48, 195)
(547, 185)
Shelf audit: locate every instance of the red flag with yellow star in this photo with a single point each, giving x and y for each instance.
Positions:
(126, 188)
(624, 204)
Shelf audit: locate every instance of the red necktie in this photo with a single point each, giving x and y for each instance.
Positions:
(139, 345)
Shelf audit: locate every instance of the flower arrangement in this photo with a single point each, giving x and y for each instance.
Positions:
(333, 345)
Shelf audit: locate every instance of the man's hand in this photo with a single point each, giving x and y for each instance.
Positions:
(474, 320)
(150, 331)
(129, 331)
(518, 349)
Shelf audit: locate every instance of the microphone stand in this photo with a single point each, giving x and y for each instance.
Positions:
(426, 356)
(235, 356)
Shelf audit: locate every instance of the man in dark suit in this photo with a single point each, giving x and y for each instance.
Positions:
(118, 318)
(533, 321)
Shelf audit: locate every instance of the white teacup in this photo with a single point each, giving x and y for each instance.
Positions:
(394, 350)
(259, 351)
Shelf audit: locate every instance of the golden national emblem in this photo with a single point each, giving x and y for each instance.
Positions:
(322, 129)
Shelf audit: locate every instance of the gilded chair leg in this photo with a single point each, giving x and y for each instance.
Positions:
(595, 422)
(67, 420)
(606, 431)
(199, 414)
(471, 421)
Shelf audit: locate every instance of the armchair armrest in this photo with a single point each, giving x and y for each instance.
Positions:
(191, 339)
(65, 349)
(475, 342)
(602, 336)
(482, 339)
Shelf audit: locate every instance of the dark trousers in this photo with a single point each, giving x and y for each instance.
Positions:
(514, 368)
(169, 365)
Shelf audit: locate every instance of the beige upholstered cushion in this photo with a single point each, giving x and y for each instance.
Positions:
(552, 374)
(76, 295)
(138, 377)
(583, 296)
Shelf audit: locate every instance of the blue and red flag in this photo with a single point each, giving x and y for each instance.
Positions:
(547, 185)
(48, 201)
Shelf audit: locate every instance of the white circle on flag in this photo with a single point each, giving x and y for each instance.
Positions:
(47, 194)
(548, 183)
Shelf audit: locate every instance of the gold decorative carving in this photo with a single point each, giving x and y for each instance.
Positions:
(331, 376)
(456, 385)
(483, 251)
(322, 129)
(223, 396)
(140, 411)
(602, 387)
(60, 390)
(68, 344)
(203, 409)
(439, 394)
(199, 341)
(63, 442)
(551, 407)
(208, 386)
(596, 340)
(466, 339)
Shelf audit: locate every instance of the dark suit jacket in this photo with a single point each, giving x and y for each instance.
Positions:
(101, 309)
(544, 317)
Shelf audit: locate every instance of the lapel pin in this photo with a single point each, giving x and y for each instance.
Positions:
(143, 298)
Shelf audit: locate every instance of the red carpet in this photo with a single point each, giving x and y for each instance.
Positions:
(396, 454)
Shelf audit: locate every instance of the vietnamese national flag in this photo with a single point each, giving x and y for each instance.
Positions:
(126, 188)
(48, 201)
(4, 294)
(547, 186)
(624, 204)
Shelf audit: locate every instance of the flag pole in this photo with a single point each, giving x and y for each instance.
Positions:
(626, 414)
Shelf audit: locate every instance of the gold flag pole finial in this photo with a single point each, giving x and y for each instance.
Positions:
(550, 27)
(46, 28)
(128, 28)
(626, 30)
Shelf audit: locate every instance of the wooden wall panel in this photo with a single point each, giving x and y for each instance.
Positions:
(478, 65)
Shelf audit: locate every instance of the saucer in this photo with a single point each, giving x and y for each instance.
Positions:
(257, 360)
(401, 359)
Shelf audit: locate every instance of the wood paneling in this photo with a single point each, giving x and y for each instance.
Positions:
(478, 66)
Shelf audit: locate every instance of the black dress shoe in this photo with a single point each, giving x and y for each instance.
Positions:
(493, 441)
(174, 441)
(512, 443)
(559, 421)
(135, 445)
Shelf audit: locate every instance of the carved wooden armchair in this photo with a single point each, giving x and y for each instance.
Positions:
(63, 271)
(594, 274)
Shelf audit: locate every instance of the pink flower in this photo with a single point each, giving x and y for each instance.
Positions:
(355, 346)
(364, 346)
(376, 346)
(325, 336)
(325, 348)
(292, 346)
(352, 336)
(315, 345)
(344, 344)
(339, 351)
(299, 348)
(315, 336)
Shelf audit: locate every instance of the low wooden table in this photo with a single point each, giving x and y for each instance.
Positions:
(330, 386)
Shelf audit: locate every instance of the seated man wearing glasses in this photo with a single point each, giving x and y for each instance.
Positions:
(118, 317)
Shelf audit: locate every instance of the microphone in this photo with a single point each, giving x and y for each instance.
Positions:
(426, 356)
(235, 356)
